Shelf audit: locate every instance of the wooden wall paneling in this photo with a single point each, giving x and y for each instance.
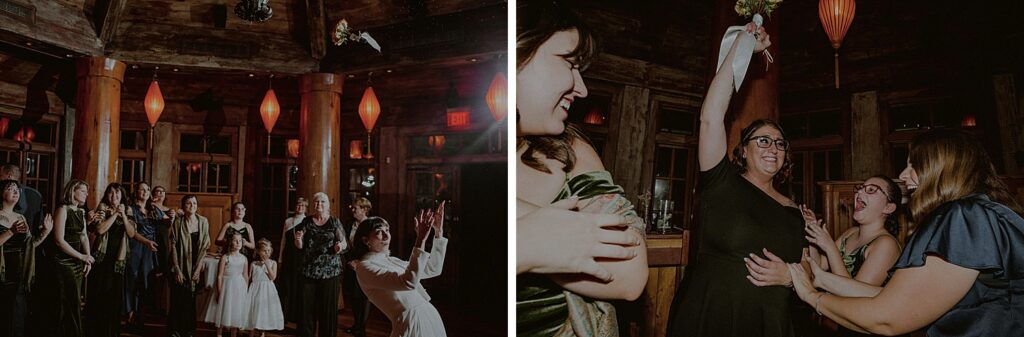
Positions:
(866, 147)
(391, 163)
(1011, 121)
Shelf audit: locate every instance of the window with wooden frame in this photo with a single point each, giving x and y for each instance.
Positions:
(32, 147)
(673, 175)
(359, 174)
(206, 163)
(133, 155)
(596, 113)
(816, 151)
(278, 177)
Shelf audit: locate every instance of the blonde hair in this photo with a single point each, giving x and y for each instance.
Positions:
(949, 166)
(262, 244)
(302, 202)
(69, 191)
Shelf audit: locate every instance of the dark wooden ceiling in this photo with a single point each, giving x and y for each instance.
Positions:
(426, 45)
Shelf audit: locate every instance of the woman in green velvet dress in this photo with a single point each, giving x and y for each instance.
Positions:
(17, 260)
(556, 163)
(67, 261)
(105, 293)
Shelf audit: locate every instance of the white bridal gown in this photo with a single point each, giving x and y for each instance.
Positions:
(394, 287)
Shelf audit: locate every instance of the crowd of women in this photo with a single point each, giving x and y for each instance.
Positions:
(579, 244)
(109, 258)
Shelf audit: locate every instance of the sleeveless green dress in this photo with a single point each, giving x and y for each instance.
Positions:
(543, 308)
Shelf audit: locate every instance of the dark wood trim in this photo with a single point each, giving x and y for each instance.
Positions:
(110, 20)
(317, 29)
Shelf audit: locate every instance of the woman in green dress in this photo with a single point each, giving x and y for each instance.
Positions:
(556, 163)
(188, 240)
(67, 260)
(17, 260)
(105, 293)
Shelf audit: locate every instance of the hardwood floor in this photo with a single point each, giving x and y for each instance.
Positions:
(457, 322)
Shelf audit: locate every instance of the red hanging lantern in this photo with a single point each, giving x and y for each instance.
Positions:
(270, 110)
(836, 16)
(293, 148)
(595, 116)
(154, 102)
(369, 111)
(497, 97)
(355, 149)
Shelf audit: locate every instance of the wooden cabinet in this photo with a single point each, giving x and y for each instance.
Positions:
(667, 256)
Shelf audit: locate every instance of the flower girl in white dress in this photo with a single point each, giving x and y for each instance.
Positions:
(230, 305)
(265, 313)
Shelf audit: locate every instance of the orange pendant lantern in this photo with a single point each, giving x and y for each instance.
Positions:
(369, 111)
(154, 102)
(270, 110)
(497, 97)
(836, 16)
(436, 143)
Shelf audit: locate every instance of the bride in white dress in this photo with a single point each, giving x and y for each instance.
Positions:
(394, 285)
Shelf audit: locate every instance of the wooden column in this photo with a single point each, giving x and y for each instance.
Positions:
(630, 139)
(163, 161)
(759, 94)
(320, 138)
(97, 123)
(866, 136)
(1009, 115)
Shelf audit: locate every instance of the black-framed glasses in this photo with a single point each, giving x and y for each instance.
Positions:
(766, 141)
(872, 189)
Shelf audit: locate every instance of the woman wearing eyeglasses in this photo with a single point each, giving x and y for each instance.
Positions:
(741, 214)
(864, 253)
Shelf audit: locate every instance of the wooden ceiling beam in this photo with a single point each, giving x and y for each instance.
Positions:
(49, 22)
(316, 19)
(111, 17)
(424, 41)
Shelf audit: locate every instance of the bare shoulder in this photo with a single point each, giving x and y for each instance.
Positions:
(885, 244)
(587, 159)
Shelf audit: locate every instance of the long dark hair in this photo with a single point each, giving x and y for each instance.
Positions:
(894, 195)
(371, 224)
(536, 22)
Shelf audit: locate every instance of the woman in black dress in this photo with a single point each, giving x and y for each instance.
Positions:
(741, 214)
(105, 293)
(17, 260)
(320, 240)
(961, 270)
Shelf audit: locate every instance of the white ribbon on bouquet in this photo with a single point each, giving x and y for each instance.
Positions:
(744, 51)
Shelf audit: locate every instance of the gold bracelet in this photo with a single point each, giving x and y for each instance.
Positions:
(817, 302)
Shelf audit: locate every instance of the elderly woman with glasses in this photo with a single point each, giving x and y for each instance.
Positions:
(864, 253)
(741, 214)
